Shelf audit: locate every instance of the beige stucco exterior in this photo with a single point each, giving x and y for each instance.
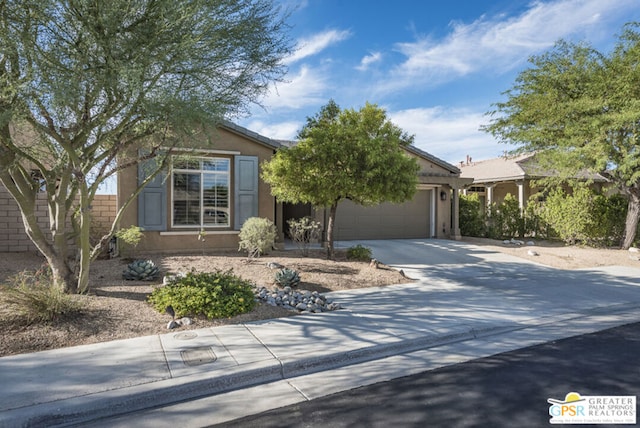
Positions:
(436, 204)
(224, 142)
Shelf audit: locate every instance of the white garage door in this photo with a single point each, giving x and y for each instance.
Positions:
(384, 221)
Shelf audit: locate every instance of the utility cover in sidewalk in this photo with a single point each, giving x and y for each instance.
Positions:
(186, 336)
(198, 356)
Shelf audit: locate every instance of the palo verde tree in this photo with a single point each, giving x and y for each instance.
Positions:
(579, 109)
(344, 154)
(86, 86)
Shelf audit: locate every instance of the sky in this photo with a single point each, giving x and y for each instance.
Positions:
(436, 67)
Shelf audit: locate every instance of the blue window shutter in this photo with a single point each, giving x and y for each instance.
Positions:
(152, 200)
(246, 189)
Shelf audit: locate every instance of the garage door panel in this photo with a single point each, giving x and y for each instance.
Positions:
(384, 221)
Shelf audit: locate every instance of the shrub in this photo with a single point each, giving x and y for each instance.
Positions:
(31, 298)
(287, 278)
(257, 236)
(303, 232)
(506, 219)
(586, 216)
(130, 236)
(534, 224)
(359, 252)
(213, 295)
(472, 222)
(607, 229)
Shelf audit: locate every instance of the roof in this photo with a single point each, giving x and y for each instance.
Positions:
(230, 126)
(411, 148)
(428, 156)
(508, 168)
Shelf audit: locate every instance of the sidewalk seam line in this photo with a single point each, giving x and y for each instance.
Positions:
(268, 350)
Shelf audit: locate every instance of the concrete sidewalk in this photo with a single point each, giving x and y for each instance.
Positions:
(465, 303)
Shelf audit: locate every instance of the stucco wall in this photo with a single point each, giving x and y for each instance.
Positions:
(219, 143)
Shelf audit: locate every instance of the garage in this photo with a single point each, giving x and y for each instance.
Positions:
(385, 221)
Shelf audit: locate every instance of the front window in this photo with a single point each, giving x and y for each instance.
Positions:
(200, 189)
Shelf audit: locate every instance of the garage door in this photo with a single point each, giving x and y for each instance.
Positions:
(384, 221)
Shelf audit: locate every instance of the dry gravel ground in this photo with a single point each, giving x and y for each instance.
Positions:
(117, 309)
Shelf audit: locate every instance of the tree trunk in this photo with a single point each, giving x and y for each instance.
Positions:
(631, 224)
(84, 242)
(332, 218)
(63, 276)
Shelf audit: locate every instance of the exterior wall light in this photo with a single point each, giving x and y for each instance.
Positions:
(443, 195)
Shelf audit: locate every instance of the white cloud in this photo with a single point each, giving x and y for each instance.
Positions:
(303, 89)
(449, 133)
(372, 58)
(500, 44)
(317, 43)
(276, 131)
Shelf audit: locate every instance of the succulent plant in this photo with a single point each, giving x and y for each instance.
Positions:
(287, 278)
(141, 270)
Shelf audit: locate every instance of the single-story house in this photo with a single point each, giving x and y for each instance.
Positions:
(494, 178)
(218, 187)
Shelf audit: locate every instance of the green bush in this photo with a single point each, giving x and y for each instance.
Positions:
(505, 220)
(586, 216)
(257, 236)
(359, 252)
(534, 225)
(472, 221)
(607, 229)
(31, 298)
(213, 295)
(131, 236)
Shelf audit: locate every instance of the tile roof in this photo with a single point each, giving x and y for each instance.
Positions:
(497, 169)
(506, 168)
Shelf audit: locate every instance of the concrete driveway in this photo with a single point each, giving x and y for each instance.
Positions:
(477, 287)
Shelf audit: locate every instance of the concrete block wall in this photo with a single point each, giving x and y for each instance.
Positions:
(103, 211)
(14, 239)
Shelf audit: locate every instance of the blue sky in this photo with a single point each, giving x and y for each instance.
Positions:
(435, 67)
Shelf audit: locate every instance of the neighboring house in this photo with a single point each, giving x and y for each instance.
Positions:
(220, 187)
(494, 178)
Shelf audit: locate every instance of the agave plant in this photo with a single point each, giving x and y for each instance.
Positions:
(287, 278)
(141, 270)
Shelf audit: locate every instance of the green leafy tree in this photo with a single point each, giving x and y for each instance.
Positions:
(84, 82)
(344, 154)
(579, 109)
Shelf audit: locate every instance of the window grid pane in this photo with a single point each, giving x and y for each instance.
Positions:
(201, 197)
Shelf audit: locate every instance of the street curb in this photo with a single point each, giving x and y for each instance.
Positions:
(91, 407)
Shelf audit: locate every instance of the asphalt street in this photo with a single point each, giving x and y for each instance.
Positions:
(505, 390)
